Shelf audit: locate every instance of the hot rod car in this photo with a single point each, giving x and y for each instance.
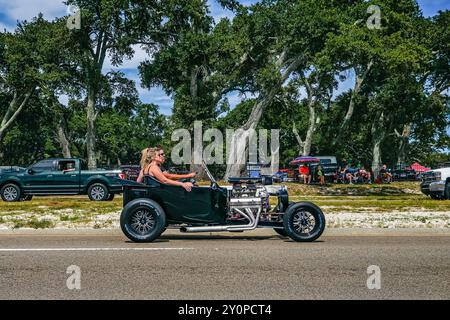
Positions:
(152, 207)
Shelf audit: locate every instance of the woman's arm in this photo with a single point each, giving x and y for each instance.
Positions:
(141, 176)
(158, 174)
(178, 176)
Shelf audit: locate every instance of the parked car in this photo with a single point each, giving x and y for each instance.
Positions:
(131, 171)
(404, 175)
(436, 183)
(152, 207)
(281, 176)
(329, 166)
(60, 177)
(8, 169)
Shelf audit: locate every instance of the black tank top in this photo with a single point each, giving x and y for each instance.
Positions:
(147, 170)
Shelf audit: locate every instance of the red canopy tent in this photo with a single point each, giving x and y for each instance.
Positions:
(304, 159)
(419, 168)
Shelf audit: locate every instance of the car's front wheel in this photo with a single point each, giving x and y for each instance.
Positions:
(435, 197)
(142, 220)
(304, 221)
(447, 191)
(98, 192)
(10, 192)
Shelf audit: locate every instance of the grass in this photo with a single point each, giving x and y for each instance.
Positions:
(33, 223)
(69, 218)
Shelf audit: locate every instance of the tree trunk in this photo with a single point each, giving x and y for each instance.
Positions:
(403, 146)
(311, 128)
(90, 134)
(378, 135)
(360, 77)
(237, 156)
(62, 138)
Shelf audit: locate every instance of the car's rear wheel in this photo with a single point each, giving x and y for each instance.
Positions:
(10, 192)
(98, 192)
(142, 220)
(280, 231)
(304, 222)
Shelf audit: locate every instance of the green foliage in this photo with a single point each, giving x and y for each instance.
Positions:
(200, 63)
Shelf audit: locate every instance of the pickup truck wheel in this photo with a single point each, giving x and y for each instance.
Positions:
(304, 222)
(10, 192)
(98, 192)
(142, 220)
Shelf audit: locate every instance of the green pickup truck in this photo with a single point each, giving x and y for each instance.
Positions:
(59, 177)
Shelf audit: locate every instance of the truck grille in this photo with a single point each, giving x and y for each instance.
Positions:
(428, 177)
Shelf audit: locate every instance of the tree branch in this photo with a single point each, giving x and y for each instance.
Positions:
(5, 125)
(297, 136)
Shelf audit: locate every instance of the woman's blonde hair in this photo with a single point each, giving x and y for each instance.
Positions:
(148, 154)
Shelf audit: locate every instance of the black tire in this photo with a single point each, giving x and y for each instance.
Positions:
(281, 232)
(142, 220)
(98, 192)
(110, 197)
(435, 197)
(447, 191)
(303, 212)
(11, 192)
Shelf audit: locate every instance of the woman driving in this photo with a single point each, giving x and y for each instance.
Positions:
(151, 161)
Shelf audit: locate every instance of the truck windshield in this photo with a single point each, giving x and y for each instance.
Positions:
(45, 165)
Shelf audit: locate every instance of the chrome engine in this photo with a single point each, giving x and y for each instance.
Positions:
(248, 204)
(248, 200)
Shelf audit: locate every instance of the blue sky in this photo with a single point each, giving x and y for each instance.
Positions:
(13, 10)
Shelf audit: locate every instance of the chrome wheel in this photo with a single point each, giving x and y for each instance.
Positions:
(10, 194)
(98, 193)
(303, 222)
(142, 221)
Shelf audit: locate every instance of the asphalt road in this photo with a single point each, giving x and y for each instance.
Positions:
(256, 265)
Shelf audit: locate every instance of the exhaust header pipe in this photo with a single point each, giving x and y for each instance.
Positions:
(253, 222)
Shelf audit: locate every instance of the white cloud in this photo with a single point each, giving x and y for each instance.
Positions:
(139, 56)
(64, 99)
(27, 9)
(7, 27)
